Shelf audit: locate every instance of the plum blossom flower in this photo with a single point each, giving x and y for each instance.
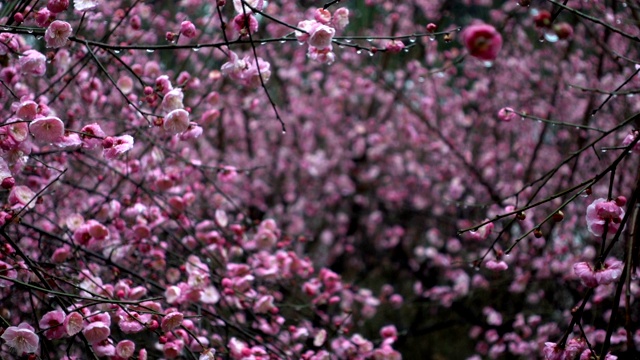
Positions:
(601, 212)
(321, 55)
(96, 331)
(340, 18)
(93, 137)
(176, 121)
(321, 36)
(552, 351)
(482, 41)
(8, 44)
(73, 323)
(171, 321)
(307, 27)
(483, 232)
(47, 129)
(245, 24)
(633, 135)
(116, 146)
(125, 349)
(188, 29)
(496, 265)
(57, 6)
(22, 338)
(394, 46)
(21, 196)
(33, 63)
(57, 34)
(245, 71)
(608, 274)
(8, 271)
(322, 16)
(52, 324)
(82, 5)
(506, 114)
(27, 110)
(173, 100)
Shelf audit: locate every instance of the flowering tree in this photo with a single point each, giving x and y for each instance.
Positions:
(297, 180)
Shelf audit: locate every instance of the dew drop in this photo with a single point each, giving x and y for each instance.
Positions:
(341, 46)
(476, 268)
(405, 50)
(284, 132)
(359, 52)
(603, 151)
(149, 50)
(370, 40)
(263, 43)
(283, 41)
(551, 37)
(541, 39)
(370, 53)
(196, 49)
(117, 51)
(432, 38)
(412, 39)
(487, 64)
(347, 40)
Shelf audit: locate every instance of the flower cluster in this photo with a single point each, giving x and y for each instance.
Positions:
(603, 214)
(319, 32)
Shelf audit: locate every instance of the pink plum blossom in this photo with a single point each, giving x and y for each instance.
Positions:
(340, 18)
(506, 114)
(57, 6)
(176, 121)
(496, 265)
(482, 41)
(321, 36)
(8, 44)
(27, 110)
(552, 351)
(188, 29)
(8, 271)
(21, 196)
(115, 147)
(33, 63)
(57, 34)
(125, 349)
(602, 212)
(22, 338)
(96, 331)
(47, 129)
(245, 24)
(73, 323)
(53, 324)
(82, 5)
(173, 100)
(307, 27)
(630, 138)
(171, 321)
(609, 273)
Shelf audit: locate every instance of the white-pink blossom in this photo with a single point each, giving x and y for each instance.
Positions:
(57, 34)
(22, 338)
